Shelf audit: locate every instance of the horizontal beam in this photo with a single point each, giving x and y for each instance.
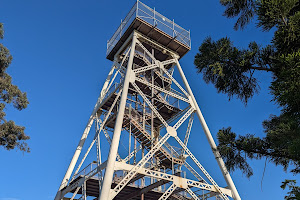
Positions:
(162, 90)
(170, 177)
(146, 68)
(146, 189)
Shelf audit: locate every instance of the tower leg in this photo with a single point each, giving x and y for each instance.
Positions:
(210, 139)
(105, 192)
(83, 137)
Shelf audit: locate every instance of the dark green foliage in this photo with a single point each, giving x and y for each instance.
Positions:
(1, 31)
(277, 13)
(294, 193)
(280, 146)
(244, 10)
(232, 72)
(230, 69)
(11, 135)
(283, 140)
(286, 87)
(232, 153)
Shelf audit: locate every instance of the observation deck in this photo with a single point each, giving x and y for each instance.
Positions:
(153, 25)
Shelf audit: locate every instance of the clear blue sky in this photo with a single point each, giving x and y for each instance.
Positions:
(59, 60)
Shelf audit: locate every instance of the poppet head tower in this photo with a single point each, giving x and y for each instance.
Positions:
(144, 114)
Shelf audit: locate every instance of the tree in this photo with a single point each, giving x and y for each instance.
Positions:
(294, 193)
(11, 135)
(232, 71)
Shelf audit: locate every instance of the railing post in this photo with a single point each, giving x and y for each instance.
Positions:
(137, 8)
(190, 42)
(154, 17)
(121, 28)
(173, 28)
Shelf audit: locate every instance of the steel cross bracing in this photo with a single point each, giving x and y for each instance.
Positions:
(168, 192)
(192, 193)
(179, 181)
(98, 130)
(146, 116)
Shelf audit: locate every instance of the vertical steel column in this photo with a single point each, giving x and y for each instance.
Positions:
(152, 121)
(210, 139)
(129, 146)
(84, 190)
(106, 187)
(84, 136)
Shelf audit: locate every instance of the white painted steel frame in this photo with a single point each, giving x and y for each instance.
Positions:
(168, 192)
(131, 174)
(84, 136)
(97, 133)
(171, 178)
(193, 103)
(107, 181)
(130, 77)
(210, 139)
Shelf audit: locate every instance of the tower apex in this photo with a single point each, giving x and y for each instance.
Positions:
(153, 25)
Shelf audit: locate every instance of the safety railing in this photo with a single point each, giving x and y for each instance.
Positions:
(149, 15)
(90, 169)
(112, 90)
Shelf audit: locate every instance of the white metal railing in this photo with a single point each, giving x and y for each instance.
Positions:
(149, 15)
(86, 171)
(113, 89)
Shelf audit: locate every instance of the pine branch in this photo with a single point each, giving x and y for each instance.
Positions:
(262, 69)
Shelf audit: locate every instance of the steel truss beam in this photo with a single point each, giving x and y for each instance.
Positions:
(146, 50)
(166, 62)
(140, 164)
(150, 104)
(146, 68)
(183, 118)
(210, 139)
(162, 90)
(192, 193)
(109, 141)
(174, 80)
(155, 44)
(201, 167)
(168, 192)
(171, 178)
(146, 189)
(194, 172)
(98, 132)
(132, 154)
(188, 131)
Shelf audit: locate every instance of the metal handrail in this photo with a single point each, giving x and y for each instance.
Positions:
(142, 11)
(113, 89)
(90, 168)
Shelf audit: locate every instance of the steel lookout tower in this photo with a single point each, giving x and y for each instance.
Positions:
(137, 135)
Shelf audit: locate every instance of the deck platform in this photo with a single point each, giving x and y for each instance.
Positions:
(92, 189)
(153, 25)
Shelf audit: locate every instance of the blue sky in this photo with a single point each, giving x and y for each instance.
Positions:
(59, 60)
